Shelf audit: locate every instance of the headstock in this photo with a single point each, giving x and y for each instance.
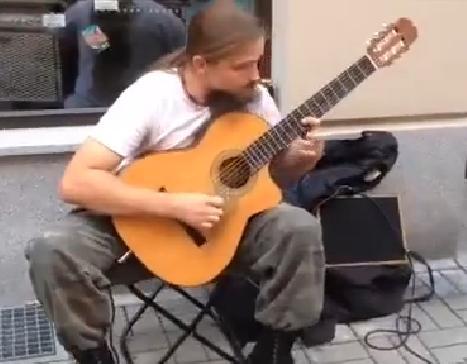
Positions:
(389, 44)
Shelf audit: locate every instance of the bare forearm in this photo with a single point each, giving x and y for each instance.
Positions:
(285, 174)
(291, 164)
(103, 192)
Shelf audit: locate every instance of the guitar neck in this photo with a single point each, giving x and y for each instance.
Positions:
(279, 137)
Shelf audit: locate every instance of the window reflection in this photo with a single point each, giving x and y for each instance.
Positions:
(83, 53)
(112, 48)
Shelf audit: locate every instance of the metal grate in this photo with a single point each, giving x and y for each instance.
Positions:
(25, 333)
(30, 69)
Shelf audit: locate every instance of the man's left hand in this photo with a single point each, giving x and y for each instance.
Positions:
(306, 152)
(302, 156)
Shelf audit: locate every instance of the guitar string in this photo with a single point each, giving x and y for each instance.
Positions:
(234, 171)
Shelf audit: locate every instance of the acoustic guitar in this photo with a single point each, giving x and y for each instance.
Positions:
(231, 160)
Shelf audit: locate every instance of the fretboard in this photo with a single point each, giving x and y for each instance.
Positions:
(279, 137)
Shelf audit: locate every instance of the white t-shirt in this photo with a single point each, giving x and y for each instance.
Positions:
(155, 113)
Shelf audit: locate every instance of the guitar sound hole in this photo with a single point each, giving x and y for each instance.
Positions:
(234, 172)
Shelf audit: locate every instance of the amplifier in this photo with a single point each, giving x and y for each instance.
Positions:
(30, 66)
(359, 230)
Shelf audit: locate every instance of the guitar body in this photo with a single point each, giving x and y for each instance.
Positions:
(165, 246)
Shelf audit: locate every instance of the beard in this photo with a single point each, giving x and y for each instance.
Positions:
(222, 101)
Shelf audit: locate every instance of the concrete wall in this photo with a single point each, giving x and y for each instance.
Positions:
(28, 203)
(313, 41)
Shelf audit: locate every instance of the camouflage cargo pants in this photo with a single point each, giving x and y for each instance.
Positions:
(69, 269)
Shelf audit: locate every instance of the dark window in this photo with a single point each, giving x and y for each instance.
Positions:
(81, 54)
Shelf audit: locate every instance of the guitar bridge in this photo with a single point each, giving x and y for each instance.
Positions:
(195, 235)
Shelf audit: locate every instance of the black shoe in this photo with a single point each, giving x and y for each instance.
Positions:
(100, 355)
(273, 347)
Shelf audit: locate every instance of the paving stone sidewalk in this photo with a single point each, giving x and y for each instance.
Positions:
(442, 340)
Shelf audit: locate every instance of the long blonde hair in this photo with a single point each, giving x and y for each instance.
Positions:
(215, 33)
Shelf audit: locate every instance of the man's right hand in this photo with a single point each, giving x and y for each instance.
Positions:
(199, 211)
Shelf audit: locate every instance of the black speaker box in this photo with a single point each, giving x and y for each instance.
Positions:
(363, 230)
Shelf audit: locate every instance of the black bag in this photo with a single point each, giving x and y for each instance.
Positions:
(347, 167)
(364, 292)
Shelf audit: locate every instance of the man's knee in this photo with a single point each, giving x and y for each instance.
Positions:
(48, 249)
(297, 222)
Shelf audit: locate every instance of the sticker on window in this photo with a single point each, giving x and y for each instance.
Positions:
(53, 20)
(106, 5)
(95, 38)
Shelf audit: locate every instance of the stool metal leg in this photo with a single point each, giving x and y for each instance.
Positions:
(191, 329)
(233, 342)
(205, 309)
(223, 326)
(129, 326)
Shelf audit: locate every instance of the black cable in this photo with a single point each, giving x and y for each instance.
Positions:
(112, 347)
(402, 334)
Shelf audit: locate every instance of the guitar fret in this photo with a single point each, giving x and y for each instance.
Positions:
(293, 133)
(249, 158)
(268, 146)
(273, 143)
(361, 69)
(367, 65)
(301, 115)
(297, 127)
(356, 73)
(297, 116)
(309, 111)
(315, 107)
(321, 102)
(338, 89)
(281, 130)
(330, 95)
(348, 81)
(304, 110)
(261, 155)
(270, 143)
(351, 77)
(266, 142)
(271, 137)
(251, 155)
(284, 142)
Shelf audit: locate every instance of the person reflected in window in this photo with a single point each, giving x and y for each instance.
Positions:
(104, 51)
